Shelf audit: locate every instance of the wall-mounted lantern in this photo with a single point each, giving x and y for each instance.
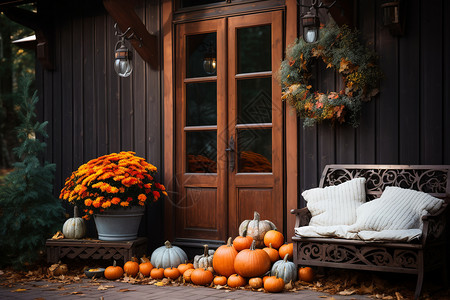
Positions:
(122, 55)
(210, 61)
(393, 16)
(310, 22)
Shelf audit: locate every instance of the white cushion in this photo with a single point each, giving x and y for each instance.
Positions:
(396, 209)
(390, 235)
(326, 231)
(335, 205)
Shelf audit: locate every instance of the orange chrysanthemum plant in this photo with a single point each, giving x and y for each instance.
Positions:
(111, 181)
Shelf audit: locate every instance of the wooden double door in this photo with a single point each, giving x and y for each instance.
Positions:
(229, 116)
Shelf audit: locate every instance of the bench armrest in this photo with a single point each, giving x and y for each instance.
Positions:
(302, 216)
(434, 225)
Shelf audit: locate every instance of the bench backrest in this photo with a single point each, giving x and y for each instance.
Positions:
(431, 179)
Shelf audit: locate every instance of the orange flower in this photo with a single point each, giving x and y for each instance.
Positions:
(124, 203)
(88, 202)
(142, 197)
(115, 200)
(106, 204)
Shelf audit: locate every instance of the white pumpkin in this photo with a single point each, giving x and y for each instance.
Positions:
(256, 228)
(205, 260)
(74, 228)
(168, 256)
(285, 269)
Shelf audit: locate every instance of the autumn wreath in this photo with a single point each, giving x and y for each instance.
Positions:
(340, 49)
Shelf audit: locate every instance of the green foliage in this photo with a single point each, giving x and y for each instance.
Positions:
(29, 213)
(339, 48)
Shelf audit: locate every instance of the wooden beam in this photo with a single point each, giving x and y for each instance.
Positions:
(125, 16)
(36, 22)
(341, 11)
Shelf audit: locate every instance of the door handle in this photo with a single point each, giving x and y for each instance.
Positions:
(231, 150)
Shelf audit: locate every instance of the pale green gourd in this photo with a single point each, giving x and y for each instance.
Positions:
(168, 256)
(285, 269)
(74, 228)
(205, 260)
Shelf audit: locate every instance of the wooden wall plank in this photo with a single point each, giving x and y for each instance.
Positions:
(446, 83)
(77, 58)
(409, 88)
(90, 107)
(366, 139)
(431, 73)
(101, 58)
(387, 108)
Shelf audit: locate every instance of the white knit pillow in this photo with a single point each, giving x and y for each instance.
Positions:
(335, 205)
(397, 208)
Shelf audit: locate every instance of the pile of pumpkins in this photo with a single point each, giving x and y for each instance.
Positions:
(257, 257)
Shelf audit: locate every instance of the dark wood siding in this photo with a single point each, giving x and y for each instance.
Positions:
(409, 121)
(91, 111)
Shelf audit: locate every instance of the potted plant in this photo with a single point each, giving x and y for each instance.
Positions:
(114, 188)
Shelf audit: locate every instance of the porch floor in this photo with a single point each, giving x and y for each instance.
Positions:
(84, 289)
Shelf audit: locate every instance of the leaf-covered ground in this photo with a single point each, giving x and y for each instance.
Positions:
(330, 281)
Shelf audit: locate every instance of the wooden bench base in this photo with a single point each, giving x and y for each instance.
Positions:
(94, 249)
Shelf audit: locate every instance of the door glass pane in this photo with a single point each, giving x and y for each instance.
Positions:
(201, 104)
(254, 49)
(201, 149)
(255, 150)
(201, 55)
(254, 100)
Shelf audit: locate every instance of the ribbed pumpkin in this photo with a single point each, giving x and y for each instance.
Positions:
(205, 260)
(183, 267)
(145, 267)
(256, 229)
(131, 267)
(113, 272)
(223, 260)
(285, 269)
(242, 242)
(168, 256)
(74, 228)
(287, 249)
(220, 280)
(252, 262)
(171, 273)
(201, 277)
(273, 253)
(255, 282)
(275, 238)
(235, 281)
(157, 273)
(274, 284)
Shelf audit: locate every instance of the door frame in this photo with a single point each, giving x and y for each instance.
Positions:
(290, 138)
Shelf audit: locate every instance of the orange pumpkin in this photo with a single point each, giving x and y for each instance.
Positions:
(187, 275)
(131, 267)
(287, 249)
(306, 274)
(157, 273)
(223, 259)
(265, 277)
(201, 277)
(273, 237)
(220, 280)
(273, 284)
(235, 281)
(171, 273)
(145, 267)
(273, 253)
(256, 282)
(252, 262)
(242, 242)
(183, 267)
(113, 272)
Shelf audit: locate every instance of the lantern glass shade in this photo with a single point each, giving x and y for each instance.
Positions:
(210, 65)
(311, 24)
(391, 13)
(122, 61)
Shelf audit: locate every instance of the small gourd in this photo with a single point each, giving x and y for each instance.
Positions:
(285, 269)
(205, 260)
(256, 228)
(74, 228)
(167, 256)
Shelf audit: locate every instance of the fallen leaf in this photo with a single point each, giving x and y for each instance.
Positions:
(19, 290)
(347, 292)
(399, 296)
(76, 293)
(58, 235)
(125, 290)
